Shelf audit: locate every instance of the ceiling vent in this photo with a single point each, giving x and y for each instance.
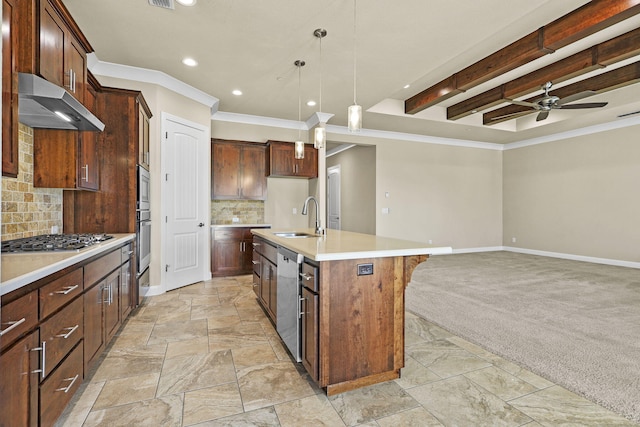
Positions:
(167, 4)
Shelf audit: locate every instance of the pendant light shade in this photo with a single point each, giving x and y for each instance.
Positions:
(354, 118)
(320, 133)
(354, 113)
(299, 144)
(299, 149)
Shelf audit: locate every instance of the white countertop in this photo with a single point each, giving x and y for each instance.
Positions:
(19, 269)
(241, 225)
(337, 245)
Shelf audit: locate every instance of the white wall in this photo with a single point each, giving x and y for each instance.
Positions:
(577, 196)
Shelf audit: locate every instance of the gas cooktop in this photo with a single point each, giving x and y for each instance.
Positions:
(53, 242)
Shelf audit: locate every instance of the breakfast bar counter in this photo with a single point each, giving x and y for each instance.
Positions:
(346, 301)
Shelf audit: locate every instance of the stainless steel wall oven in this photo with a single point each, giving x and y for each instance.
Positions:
(143, 224)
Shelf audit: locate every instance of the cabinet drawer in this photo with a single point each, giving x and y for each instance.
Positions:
(99, 268)
(59, 292)
(267, 251)
(231, 233)
(18, 317)
(60, 333)
(125, 253)
(60, 387)
(256, 263)
(309, 277)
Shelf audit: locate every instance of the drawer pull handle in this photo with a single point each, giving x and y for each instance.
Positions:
(67, 290)
(43, 349)
(71, 329)
(67, 388)
(254, 262)
(306, 277)
(13, 325)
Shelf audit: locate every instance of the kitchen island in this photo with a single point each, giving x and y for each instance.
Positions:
(350, 298)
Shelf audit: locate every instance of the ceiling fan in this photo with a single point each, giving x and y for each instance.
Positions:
(551, 102)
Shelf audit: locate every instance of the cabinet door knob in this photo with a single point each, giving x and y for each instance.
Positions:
(201, 224)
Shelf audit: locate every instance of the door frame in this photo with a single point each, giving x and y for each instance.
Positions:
(335, 170)
(165, 203)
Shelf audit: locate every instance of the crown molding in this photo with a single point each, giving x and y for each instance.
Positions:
(144, 75)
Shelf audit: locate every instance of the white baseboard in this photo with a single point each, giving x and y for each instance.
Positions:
(594, 260)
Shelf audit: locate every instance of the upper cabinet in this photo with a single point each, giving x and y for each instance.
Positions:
(143, 132)
(53, 46)
(282, 162)
(67, 159)
(9, 88)
(237, 170)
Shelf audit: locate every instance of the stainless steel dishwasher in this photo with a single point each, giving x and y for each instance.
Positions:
(288, 300)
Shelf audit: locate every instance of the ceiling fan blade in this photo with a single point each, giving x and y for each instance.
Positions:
(542, 115)
(522, 103)
(585, 105)
(512, 115)
(576, 97)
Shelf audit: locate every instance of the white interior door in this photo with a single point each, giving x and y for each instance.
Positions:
(333, 197)
(186, 203)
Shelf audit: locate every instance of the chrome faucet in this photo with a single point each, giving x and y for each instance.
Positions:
(319, 229)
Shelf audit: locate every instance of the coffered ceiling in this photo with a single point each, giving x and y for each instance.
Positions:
(424, 45)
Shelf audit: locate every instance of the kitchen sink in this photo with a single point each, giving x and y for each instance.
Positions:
(294, 235)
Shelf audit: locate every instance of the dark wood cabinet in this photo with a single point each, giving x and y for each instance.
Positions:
(59, 387)
(111, 304)
(310, 324)
(94, 338)
(282, 162)
(10, 24)
(231, 251)
(237, 170)
(265, 276)
(19, 385)
(62, 49)
(65, 158)
(143, 134)
(113, 208)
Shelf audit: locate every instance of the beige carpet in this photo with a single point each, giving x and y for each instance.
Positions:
(574, 323)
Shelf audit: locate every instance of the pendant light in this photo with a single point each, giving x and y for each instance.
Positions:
(299, 144)
(320, 133)
(354, 114)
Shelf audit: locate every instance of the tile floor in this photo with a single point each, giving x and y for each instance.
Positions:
(206, 355)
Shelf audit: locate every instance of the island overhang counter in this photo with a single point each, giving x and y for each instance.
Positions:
(351, 301)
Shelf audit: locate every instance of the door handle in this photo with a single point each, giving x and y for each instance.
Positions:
(201, 224)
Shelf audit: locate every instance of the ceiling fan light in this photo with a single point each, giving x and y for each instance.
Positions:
(320, 135)
(354, 117)
(299, 149)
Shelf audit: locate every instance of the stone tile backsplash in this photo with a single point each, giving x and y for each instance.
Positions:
(247, 211)
(28, 211)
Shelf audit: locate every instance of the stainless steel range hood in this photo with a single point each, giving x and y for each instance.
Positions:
(42, 104)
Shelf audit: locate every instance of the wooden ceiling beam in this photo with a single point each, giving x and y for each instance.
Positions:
(582, 22)
(606, 53)
(605, 82)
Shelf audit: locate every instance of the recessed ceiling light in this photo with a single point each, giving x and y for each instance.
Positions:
(236, 92)
(406, 86)
(190, 62)
(187, 2)
(311, 103)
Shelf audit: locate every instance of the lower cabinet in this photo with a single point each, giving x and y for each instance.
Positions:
(19, 385)
(53, 333)
(265, 276)
(94, 338)
(231, 251)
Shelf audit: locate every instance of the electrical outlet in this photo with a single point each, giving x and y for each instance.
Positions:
(513, 240)
(385, 211)
(430, 241)
(295, 211)
(235, 219)
(54, 229)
